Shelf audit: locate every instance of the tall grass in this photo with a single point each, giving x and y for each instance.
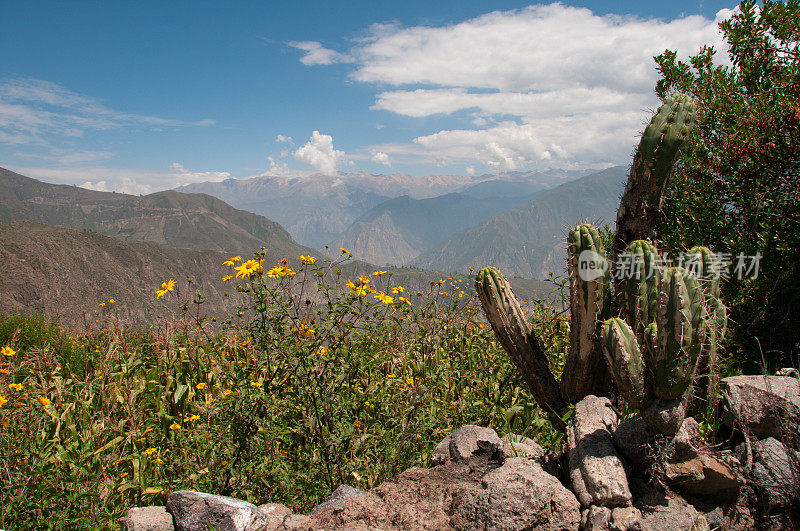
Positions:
(318, 380)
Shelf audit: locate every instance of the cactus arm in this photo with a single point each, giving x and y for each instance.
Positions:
(625, 361)
(638, 287)
(641, 203)
(682, 329)
(584, 370)
(511, 328)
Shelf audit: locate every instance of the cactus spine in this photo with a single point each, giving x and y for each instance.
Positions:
(638, 287)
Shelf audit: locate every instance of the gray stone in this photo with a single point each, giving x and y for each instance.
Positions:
(596, 471)
(193, 511)
(775, 474)
(275, 513)
(467, 443)
(518, 446)
(706, 474)
(338, 498)
(599, 518)
(769, 406)
(638, 443)
(147, 519)
(659, 512)
(518, 495)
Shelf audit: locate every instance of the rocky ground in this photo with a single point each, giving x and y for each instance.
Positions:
(611, 475)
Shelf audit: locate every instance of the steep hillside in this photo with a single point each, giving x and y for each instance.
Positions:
(192, 221)
(398, 230)
(67, 273)
(528, 241)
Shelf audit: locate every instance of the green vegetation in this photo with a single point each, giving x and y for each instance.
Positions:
(292, 398)
(737, 189)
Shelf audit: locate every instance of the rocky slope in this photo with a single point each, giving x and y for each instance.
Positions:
(528, 241)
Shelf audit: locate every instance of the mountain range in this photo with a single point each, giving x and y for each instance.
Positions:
(319, 210)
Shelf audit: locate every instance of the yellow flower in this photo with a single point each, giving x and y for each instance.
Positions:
(256, 384)
(7, 351)
(3, 371)
(16, 386)
(226, 392)
(307, 259)
(386, 299)
(165, 287)
(102, 304)
(345, 251)
(111, 301)
(403, 299)
(379, 273)
(280, 271)
(43, 400)
(150, 451)
(322, 351)
(232, 260)
(226, 278)
(3, 400)
(391, 376)
(246, 342)
(303, 330)
(192, 418)
(201, 386)
(410, 380)
(398, 289)
(209, 400)
(363, 279)
(247, 268)
(174, 426)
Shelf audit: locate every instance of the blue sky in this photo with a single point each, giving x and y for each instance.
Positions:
(142, 96)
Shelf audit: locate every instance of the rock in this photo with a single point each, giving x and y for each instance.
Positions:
(788, 371)
(275, 514)
(193, 511)
(467, 443)
(518, 495)
(147, 519)
(705, 475)
(338, 498)
(660, 512)
(775, 474)
(598, 518)
(518, 446)
(769, 406)
(638, 443)
(596, 471)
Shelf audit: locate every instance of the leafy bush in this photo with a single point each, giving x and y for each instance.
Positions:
(320, 379)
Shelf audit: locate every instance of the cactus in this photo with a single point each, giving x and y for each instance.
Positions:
(638, 286)
(641, 203)
(590, 284)
(511, 327)
(590, 297)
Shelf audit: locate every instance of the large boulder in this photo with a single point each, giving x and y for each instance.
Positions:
(518, 446)
(706, 474)
(775, 473)
(596, 471)
(639, 444)
(518, 495)
(768, 406)
(147, 519)
(467, 443)
(661, 512)
(194, 511)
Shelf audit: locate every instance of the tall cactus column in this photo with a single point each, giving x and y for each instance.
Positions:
(641, 203)
(511, 327)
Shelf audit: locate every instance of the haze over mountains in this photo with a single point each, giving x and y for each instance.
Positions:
(318, 210)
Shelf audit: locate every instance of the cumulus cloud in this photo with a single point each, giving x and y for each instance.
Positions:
(283, 138)
(182, 176)
(316, 54)
(318, 152)
(380, 157)
(548, 85)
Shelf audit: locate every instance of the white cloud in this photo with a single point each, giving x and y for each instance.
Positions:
(380, 157)
(276, 166)
(316, 54)
(39, 113)
(283, 138)
(182, 176)
(470, 170)
(547, 85)
(318, 152)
